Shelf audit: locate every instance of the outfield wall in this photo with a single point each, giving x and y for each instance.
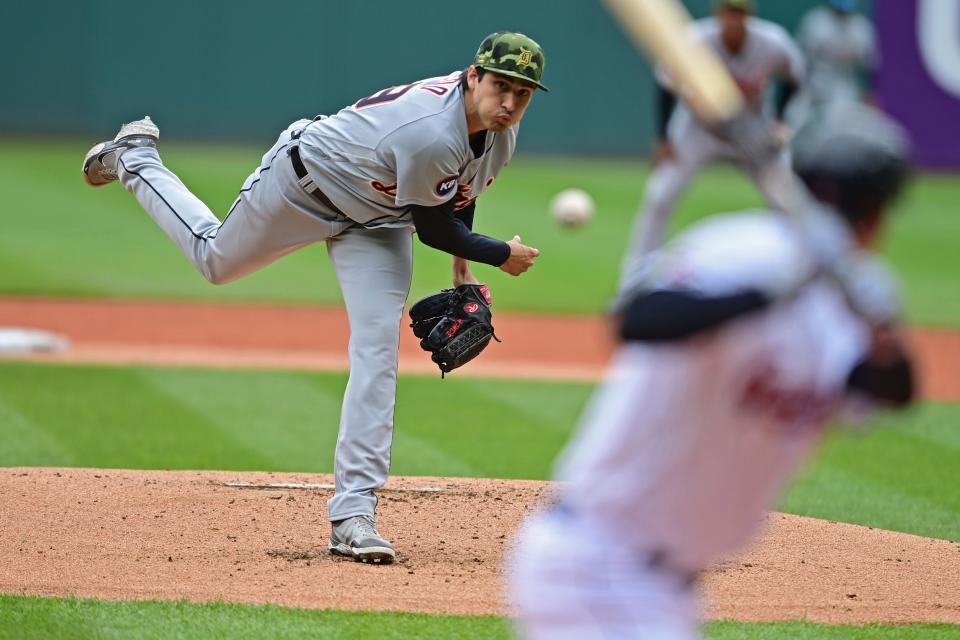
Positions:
(218, 69)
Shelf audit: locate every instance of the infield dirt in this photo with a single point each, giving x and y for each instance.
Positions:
(169, 535)
(120, 534)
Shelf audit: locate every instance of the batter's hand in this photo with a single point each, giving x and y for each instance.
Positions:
(887, 344)
(783, 133)
(521, 257)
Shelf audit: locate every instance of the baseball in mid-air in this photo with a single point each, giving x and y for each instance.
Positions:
(572, 208)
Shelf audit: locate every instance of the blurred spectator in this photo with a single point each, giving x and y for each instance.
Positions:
(759, 55)
(841, 52)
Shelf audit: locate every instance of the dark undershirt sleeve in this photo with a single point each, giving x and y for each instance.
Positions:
(890, 384)
(674, 315)
(440, 228)
(784, 94)
(465, 215)
(666, 101)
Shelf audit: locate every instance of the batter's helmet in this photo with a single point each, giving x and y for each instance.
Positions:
(852, 157)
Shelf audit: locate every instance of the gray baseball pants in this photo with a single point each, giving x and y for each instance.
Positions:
(272, 217)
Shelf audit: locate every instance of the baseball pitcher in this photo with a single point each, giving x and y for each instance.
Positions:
(411, 157)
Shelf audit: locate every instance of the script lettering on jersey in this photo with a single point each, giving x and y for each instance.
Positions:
(462, 199)
(387, 189)
(797, 407)
(436, 87)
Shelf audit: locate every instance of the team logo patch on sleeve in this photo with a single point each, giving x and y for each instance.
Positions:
(446, 185)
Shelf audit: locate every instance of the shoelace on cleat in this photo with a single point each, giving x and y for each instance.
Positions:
(366, 528)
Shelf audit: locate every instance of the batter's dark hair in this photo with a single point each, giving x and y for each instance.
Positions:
(463, 77)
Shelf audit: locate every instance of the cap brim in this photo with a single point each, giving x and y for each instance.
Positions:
(514, 74)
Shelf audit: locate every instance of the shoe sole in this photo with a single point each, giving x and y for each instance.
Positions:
(138, 129)
(130, 130)
(368, 555)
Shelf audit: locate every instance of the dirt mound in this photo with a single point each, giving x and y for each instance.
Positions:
(168, 535)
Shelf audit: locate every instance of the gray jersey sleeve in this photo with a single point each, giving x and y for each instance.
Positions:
(426, 164)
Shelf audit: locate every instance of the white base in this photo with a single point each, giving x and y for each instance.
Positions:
(20, 340)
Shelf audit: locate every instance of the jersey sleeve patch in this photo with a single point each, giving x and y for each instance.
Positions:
(446, 185)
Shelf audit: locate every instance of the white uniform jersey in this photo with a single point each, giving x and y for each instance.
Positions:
(686, 443)
(838, 47)
(768, 52)
(403, 146)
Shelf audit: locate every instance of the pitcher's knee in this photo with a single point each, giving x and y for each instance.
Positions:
(218, 273)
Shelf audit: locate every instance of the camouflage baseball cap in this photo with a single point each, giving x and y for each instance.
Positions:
(512, 54)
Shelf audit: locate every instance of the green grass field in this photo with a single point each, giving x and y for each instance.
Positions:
(63, 238)
(60, 237)
(899, 477)
(80, 619)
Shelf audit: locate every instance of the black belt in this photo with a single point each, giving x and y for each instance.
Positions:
(307, 183)
(657, 560)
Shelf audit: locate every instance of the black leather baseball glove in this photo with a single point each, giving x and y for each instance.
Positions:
(454, 325)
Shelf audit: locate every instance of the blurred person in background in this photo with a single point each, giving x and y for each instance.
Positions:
(735, 355)
(841, 53)
(758, 54)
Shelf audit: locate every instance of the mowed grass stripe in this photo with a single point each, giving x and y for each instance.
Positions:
(833, 493)
(27, 618)
(926, 423)
(114, 417)
(728, 630)
(289, 419)
(477, 421)
(103, 244)
(22, 439)
(921, 242)
(897, 471)
(258, 420)
(889, 477)
(24, 618)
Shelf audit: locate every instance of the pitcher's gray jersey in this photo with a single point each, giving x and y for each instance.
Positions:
(406, 145)
(768, 52)
(838, 47)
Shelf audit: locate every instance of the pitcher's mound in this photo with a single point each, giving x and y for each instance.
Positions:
(212, 536)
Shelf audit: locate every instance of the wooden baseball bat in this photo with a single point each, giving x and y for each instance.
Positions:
(662, 27)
